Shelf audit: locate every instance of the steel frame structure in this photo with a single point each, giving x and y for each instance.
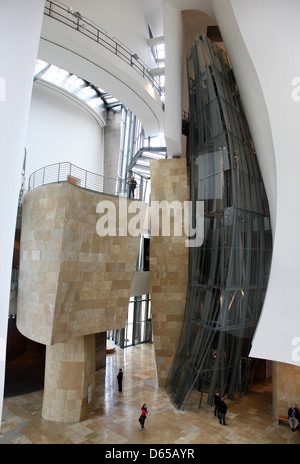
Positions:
(228, 274)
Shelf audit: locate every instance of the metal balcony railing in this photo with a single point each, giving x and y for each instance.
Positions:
(76, 21)
(67, 172)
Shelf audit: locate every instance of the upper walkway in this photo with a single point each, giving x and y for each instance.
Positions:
(94, 55)
(68, 172)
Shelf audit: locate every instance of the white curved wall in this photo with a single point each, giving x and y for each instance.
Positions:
(70, 50)
(17, 58)
(244, 62)
(117, 19)
(273, 46)
(60, 130)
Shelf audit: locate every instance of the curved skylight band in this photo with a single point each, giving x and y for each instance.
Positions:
(94, 97)
(99, 101)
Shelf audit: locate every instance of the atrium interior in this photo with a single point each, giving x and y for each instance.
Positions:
(130, 126)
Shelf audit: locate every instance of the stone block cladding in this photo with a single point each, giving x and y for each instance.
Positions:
(72, 281)
(168, 265)
(285, 387)
(73, 284)
(69, 380)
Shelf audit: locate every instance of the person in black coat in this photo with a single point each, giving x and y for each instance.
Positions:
(120, 378)
(222, 411)
(132, 186)
(293, 415)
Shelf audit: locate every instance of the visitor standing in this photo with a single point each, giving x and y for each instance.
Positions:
(120, 379)
(222, 411)
(293, 415)
(132, 187)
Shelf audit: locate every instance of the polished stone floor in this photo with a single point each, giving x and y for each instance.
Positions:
(114, 419)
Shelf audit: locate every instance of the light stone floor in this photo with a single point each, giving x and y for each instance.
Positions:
(114, 419)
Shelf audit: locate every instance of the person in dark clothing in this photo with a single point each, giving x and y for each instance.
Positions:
(217, 400)
(293, 415)
(120, 378)
(132, 187)
(222, 411)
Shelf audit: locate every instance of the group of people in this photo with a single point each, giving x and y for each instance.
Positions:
(220, 408)
(219, 411)
(144, 410)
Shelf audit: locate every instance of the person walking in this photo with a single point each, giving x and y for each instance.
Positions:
(143, 416)
(120, 379)
(222, 411)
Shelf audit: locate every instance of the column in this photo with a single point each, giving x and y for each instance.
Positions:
(173, 75)
(69, 380)
(168, 263)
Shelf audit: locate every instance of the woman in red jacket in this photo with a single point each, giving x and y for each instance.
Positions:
(143, 415)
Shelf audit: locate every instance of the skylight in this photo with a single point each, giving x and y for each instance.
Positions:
(94, 97)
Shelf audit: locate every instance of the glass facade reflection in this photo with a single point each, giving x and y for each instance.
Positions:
(228, 274)
(138, 327)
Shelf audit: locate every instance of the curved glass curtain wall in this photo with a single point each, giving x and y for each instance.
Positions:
(228, 274)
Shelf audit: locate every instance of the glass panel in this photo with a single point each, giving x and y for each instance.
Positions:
(229, 272)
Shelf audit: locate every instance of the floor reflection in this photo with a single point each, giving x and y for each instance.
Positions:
(114, 419)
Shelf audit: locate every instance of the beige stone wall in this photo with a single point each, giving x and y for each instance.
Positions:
(285, 387)
(168, 266)
(69, 377)
(73, 284)
(72, 281)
